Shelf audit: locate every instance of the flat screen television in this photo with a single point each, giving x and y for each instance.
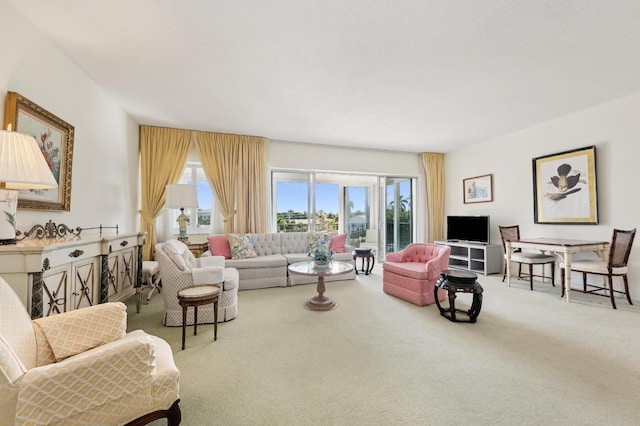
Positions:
(473, 229)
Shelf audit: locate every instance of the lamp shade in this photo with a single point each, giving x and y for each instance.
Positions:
(181, 196)
(22, 164)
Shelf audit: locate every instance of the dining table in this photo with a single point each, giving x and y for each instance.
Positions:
(561, 247)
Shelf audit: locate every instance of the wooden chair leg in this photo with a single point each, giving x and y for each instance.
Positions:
(613, 301)
(562, 282)
(626, 289)
(553, 274)
(584, 282)
(531, 276)
(519, 271)
(504, 270)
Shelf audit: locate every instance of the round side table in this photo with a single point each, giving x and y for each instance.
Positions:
(454, 281)
(364, 254)
(197, 296)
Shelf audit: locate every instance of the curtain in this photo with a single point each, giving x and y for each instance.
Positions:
(252, 204)
(219, 155)
(163, 153)
(433, 164)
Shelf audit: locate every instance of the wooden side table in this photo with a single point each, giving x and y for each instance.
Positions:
(364, 254)
(197, 248)
(453, 282)
(197, 296)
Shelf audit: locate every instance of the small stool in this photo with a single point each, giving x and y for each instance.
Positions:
(459, 282)
(196, 296)
(150, 280)
(364, 253)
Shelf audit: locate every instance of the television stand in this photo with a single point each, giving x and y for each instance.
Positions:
(476, 257)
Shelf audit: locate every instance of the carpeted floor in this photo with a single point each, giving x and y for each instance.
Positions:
(376, 360)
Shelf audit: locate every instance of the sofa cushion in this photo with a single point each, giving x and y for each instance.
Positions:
(415, 270)
(317, 240)
(241, 246)
(180, 254)
(269, 261)
(219, 246)
(337, 243)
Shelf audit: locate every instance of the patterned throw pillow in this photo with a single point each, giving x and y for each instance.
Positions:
(241, 246)
(316, 240)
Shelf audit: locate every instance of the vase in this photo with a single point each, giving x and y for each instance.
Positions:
(321, 263)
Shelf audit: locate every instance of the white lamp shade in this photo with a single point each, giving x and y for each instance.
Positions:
(178, 196)
(22, 163)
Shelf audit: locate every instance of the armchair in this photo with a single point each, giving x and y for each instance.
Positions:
(81, 367)
(180, 269)
(411, 274)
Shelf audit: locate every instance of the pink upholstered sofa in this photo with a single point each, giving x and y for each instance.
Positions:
(410, 274)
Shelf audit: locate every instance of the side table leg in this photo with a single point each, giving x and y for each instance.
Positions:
(184, 324)
(215, 319)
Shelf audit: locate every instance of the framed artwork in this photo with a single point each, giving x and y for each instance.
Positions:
(55, 138)
(478, 189)
(564, 187)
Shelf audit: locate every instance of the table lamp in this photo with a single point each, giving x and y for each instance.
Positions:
(22, 166)
(182, 197)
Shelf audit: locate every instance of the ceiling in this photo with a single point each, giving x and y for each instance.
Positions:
(408, 75)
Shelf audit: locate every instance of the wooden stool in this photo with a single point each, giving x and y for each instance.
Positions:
(150, 280)
(196, 296)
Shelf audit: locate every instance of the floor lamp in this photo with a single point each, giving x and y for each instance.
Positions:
(22, 166)
(181, 197)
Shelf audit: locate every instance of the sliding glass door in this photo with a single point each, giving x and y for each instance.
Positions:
(398, 222)
(375, 211)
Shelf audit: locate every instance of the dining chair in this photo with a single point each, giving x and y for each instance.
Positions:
(512, 233)
(615, 266)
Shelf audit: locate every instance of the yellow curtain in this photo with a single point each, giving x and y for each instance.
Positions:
(433, 164)
(252, 184)
(219, 155)
(163, 153)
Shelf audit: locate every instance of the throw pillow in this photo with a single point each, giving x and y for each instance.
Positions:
(337, 243)
(241, 246)
(219, 246)
(316, 240)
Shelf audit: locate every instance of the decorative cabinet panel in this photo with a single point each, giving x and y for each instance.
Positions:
(122, 270)
(52, 276)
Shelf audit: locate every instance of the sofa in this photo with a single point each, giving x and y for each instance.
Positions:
(266, 266)
(410, 274)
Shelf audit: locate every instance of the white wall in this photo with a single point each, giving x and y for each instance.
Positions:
(614, 128)
(104, 187)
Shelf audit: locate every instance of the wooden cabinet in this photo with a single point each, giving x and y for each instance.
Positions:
(52, 276)
(475, 257)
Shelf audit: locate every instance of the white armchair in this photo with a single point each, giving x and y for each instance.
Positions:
(81, 367)
(180, 269)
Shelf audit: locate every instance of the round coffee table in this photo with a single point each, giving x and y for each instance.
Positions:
(320, 302)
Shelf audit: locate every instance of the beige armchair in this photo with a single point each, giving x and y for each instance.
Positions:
(180, 269)
(81, 367)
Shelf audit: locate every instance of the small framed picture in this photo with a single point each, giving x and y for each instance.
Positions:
(478, 189)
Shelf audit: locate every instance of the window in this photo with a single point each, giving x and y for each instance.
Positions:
(200, 218)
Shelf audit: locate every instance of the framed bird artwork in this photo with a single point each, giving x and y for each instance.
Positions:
(564, 188)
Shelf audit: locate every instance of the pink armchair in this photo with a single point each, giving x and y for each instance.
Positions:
(410, 274)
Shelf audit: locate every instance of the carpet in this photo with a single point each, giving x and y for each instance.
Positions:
(530, 359)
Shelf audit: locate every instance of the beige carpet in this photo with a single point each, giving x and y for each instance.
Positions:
(376, 360)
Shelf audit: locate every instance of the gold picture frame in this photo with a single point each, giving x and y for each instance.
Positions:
(564, 188)
(55, 138)
(478, 189)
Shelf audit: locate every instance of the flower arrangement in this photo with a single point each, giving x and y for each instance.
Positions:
(321, 255)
